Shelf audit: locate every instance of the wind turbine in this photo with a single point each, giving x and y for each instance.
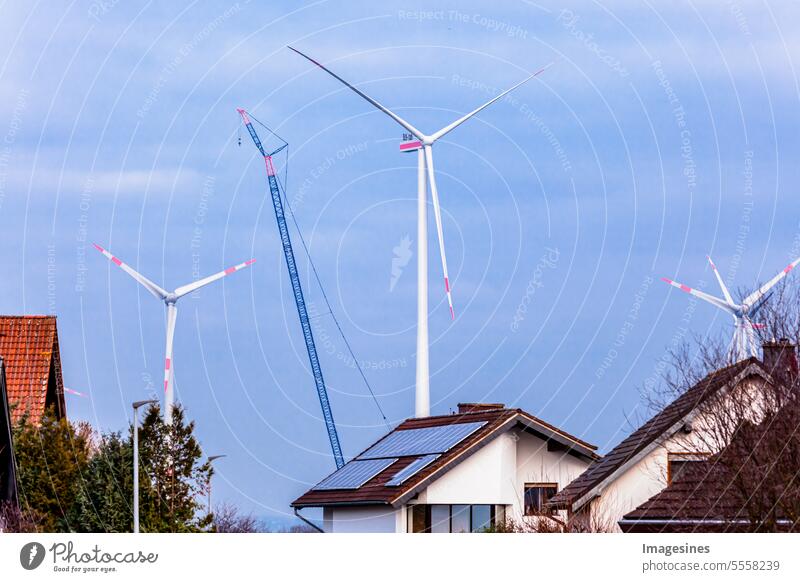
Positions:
(170, 300)
(425, 171)
(743, 345)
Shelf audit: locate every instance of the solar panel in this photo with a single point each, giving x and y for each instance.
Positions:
(421, 441)
(412, 469)
(354, 474)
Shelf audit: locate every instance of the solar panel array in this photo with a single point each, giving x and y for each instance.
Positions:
(412, 469)
(421, 441)
(354, 474)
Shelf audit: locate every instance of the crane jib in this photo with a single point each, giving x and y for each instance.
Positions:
(299, 298)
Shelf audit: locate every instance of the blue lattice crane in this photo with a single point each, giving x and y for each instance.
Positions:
(299, 299)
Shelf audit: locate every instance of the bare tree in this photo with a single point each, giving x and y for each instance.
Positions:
(228, 519)
(14, 520)
(585, 521)
(751, 430)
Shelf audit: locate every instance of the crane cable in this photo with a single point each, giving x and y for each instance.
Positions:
(316, 274)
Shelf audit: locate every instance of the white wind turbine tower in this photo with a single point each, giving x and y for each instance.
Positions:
(170, 300)
(425, 171)
(744, 344)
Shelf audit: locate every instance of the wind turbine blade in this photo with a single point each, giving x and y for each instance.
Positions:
(752, 298)
(169, 392)
(704, 296)
(181, 291)
(369, 99)
(753, 311)
(725, 292)
(144, 281)
(458, 122)
(438, 214)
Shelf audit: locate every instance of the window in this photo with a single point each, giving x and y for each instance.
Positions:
(537, 495)
(442, 518)
(676, 462)
(460, 522)
(481, 518)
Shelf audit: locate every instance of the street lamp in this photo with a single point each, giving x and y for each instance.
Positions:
(136, 406)
(211, 459)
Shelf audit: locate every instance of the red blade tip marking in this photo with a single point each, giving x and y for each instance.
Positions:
(230, 270)
(250, 262)
(116, 261)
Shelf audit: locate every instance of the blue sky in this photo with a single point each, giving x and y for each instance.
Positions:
(662, 133)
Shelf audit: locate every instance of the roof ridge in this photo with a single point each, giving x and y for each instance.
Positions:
(29, 316)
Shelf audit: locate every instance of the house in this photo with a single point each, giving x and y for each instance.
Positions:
(683, 433)
(462, 472)
(750, 485)
(29, 347)
(8, 479)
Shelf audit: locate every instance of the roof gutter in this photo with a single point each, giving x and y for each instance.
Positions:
(337, 504)
(310, 523)
(663, 521)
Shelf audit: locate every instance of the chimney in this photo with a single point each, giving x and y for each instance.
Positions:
(780, 359)
(465, 407)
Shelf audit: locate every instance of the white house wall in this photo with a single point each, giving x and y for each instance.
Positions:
(497, 473)
(487, 476)
(535, 464)
(371, 519)
(648, 476)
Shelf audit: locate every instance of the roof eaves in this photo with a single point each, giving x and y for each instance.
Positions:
(753, 368)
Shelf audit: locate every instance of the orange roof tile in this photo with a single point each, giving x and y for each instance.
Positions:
(29, 347)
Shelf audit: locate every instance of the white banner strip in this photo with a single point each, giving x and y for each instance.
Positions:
(385, 558)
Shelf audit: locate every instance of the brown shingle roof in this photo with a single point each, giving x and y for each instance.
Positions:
(497, 420)
(750, 479)
(29, 347)
(648, 433)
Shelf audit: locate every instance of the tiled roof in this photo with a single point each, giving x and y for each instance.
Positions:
(648, 433)
(708, 496)
(29, 347)
(497, 419)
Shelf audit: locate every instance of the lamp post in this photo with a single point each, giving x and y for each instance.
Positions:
(136, 406)
(211, 459)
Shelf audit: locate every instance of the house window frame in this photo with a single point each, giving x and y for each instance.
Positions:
(699, 456)
(542, 503)
(494, 512)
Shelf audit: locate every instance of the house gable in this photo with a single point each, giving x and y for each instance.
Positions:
(34, 381)
(651, 435)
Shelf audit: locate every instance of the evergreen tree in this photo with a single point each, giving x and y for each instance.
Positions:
(171, 476)
(67, 484)
(52, 461)
(105, 502)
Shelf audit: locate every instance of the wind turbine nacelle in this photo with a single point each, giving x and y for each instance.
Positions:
(410, 146)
